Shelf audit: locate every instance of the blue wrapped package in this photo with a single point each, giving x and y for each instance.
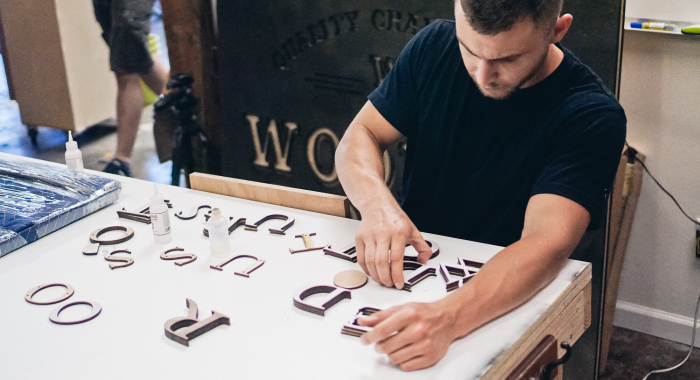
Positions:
(37, 199)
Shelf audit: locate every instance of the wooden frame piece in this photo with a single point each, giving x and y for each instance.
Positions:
(421, 272)
(308, 244)
(231, 228)
(348, 253)
(247, 271)
(96, 310)
(623, 205)
(128, 261)
(534, 363)
(353, 329)
(184, 329)
(194, 211)
(329, 204)
(165, 256)
(29, 297)
(95, 235)
(335, 295)
(281, 231)
(567, 318)
(435, 248)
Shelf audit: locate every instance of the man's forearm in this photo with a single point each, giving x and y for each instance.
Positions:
(360, 168)
(385, 229)
(509, 279)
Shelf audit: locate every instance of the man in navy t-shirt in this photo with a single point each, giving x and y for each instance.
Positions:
(511, 141)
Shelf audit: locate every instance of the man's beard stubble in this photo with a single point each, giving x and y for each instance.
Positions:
(512, 89)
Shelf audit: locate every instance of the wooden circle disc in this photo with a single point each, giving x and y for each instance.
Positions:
(350, 279)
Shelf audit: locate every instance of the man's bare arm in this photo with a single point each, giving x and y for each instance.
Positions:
(553, 227)
(359, 157)
(384, 225)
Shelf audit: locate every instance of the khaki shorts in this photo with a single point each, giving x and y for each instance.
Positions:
(125, 27)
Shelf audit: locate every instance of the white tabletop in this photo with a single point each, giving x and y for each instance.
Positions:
(268, 336)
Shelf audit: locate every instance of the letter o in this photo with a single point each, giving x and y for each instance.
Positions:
(96, 310)
(29, 297)
(311, 154)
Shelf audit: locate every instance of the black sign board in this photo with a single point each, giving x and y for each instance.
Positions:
(295, 73)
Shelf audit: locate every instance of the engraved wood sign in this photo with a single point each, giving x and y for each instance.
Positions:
(293, 74)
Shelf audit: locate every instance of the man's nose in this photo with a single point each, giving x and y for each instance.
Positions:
(485, 73)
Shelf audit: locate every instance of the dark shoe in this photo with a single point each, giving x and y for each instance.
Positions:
(118, 167)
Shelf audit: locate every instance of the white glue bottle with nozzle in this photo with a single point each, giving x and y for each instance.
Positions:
(160, 218)
(218, 235)
(74, 159)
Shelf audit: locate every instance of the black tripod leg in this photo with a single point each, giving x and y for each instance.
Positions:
(177, 158)
(188, 158)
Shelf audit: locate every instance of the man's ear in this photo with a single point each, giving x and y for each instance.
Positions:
(561, 27)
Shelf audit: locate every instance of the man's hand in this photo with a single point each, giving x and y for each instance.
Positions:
(414, 336)
(386, 227)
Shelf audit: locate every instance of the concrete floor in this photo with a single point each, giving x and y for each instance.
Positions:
(96, 143)
(633, 355)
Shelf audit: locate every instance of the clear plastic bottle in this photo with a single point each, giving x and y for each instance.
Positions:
(218, 235)
(74, 159)
(160, 218)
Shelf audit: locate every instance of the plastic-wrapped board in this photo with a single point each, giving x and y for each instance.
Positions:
(37, 199)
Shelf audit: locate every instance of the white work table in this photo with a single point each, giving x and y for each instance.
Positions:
(268, 336)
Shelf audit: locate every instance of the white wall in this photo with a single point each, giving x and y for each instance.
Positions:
(675, 10)
(660, 91)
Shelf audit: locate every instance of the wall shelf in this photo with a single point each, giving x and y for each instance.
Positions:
(681, 24)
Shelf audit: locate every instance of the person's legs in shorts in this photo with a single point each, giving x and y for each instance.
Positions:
(126, 33)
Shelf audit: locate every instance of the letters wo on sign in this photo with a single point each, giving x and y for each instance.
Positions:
(293, 74)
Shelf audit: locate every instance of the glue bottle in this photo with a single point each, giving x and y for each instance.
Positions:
(160, 218)
(74, 159)
(218, 234)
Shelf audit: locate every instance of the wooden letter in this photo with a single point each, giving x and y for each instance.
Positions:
(335, 296)
(165, 256)
(190, 327)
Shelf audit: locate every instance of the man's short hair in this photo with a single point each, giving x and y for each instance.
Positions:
(491, 17)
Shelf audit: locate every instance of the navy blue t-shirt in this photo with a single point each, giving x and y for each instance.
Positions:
(472, 162)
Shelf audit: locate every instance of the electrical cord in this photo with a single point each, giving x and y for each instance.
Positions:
(667, 193)
(697, 305)
(692, 345)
